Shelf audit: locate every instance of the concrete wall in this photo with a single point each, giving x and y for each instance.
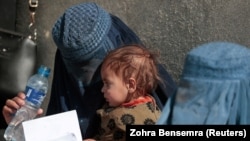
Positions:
(172, 26)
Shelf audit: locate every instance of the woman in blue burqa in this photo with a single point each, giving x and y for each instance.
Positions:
(84, 34)
(214, 87)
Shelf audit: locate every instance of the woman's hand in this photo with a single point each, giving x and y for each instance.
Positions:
(12, 105)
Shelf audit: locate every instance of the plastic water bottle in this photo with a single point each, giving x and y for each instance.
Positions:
(36, 90)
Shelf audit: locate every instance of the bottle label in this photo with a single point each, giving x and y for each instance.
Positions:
(34, 96)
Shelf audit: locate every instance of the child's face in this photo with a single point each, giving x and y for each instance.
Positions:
(114, 89)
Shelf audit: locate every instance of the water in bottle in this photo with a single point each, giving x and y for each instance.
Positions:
(36, 90)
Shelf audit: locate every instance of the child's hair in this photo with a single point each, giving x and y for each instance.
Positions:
(137, 62)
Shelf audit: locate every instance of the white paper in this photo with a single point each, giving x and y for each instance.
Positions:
(58, 127)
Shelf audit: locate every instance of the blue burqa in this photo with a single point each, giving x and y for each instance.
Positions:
(69, 94)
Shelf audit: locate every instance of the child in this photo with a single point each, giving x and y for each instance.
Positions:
(129, 75)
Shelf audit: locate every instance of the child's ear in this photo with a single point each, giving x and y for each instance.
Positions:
(131, 85)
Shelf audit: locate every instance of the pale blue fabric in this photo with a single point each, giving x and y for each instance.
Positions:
(214, 87)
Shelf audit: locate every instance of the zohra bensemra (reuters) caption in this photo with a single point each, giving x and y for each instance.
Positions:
(195, 131)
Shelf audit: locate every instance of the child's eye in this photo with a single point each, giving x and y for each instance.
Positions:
(106, 84)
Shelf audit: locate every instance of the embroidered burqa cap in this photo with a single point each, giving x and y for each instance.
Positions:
(214, 87)
(81, 32)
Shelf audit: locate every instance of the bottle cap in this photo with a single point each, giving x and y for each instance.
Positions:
(44, 71)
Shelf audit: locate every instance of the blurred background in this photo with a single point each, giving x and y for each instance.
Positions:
(173, 27)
